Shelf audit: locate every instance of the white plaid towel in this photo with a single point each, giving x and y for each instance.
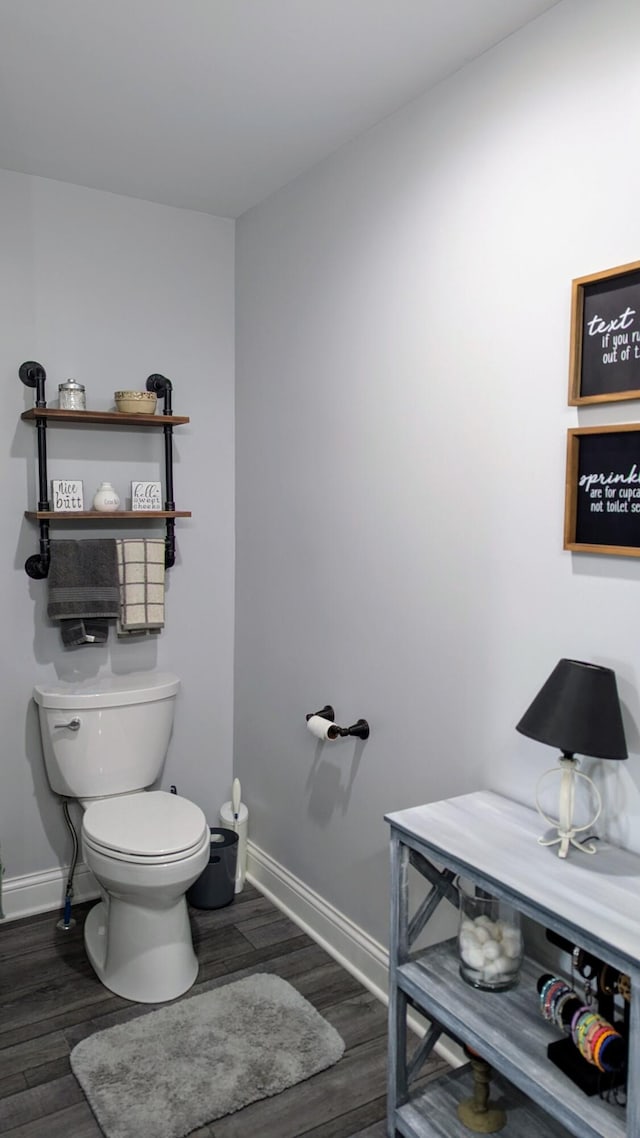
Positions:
(141, 573)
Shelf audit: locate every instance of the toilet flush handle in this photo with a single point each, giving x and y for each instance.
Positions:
(72, 725)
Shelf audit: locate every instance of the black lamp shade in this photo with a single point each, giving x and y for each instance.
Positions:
(578, 711)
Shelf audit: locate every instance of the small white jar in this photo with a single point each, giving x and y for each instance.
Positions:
(106, 501)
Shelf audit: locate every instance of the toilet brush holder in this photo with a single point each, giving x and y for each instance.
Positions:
(240, 826)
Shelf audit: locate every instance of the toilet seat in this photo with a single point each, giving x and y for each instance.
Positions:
(145, 829)
(145, 859)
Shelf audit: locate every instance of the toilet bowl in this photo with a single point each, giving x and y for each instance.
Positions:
(104, 743)
(145, 851)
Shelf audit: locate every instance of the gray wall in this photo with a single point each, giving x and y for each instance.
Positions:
(109, 289)
(402, 336)
(402, 356)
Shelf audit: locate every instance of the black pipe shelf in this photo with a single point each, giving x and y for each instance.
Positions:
(33, 375)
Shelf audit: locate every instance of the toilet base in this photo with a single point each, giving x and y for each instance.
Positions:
(142, 954)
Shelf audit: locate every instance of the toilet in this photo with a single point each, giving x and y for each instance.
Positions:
(104, 743)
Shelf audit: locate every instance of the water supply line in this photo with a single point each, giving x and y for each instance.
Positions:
(67, 922)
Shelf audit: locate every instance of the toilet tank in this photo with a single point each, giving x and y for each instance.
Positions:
(108, 735)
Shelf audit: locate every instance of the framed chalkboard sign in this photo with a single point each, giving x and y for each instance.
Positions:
(602, 501)
(604, 363)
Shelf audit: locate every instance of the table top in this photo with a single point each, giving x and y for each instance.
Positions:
(594, 900)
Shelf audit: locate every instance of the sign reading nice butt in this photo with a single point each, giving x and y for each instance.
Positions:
(67, 496)
(602, 503)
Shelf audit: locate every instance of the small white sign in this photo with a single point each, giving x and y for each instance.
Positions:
(146, 496)
(67, 496)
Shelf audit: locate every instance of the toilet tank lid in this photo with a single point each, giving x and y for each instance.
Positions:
(107, 691)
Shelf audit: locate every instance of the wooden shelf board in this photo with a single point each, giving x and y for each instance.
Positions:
(95, 516)
(115, 418)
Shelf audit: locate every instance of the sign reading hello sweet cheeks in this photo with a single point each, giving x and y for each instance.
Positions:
(146, 496)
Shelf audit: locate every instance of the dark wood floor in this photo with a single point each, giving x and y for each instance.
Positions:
(50, 999)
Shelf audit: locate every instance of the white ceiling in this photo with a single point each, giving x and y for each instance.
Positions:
(214, 104)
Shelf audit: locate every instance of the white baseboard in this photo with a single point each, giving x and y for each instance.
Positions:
(43, 892)
(361, 955)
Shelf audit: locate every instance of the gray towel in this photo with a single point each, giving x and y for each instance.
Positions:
(76, 631)
(84, 590)
(83, 579)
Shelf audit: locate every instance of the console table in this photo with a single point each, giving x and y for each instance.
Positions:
(591, 901)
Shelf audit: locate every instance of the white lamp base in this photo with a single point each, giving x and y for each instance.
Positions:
(566, 831)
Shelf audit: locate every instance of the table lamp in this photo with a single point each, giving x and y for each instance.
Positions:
(577, 710)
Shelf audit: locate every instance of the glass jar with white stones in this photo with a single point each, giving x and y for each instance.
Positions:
(489, 940)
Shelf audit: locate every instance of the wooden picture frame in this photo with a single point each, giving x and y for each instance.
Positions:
(604, 360)
(602, 494)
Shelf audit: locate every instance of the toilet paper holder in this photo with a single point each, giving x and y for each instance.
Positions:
(359, 729)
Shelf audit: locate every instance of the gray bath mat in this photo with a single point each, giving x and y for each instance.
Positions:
(169, 1071)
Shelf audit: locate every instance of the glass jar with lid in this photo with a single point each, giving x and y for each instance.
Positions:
(71, 396)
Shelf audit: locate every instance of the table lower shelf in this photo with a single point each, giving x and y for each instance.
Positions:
(432, 1112)
(506, 1028)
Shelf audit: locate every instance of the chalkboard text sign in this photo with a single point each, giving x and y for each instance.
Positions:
(604, 363)
(602, 502)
